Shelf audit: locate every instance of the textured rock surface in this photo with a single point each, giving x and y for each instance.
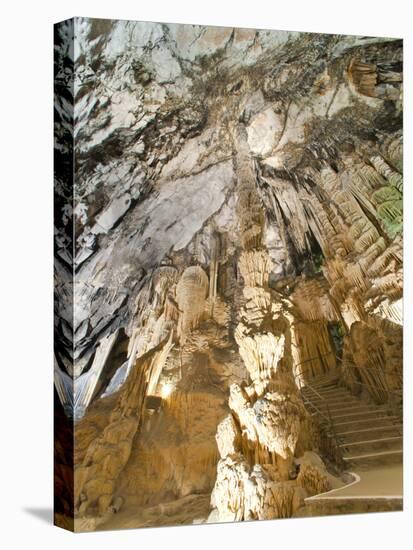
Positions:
(235, 231)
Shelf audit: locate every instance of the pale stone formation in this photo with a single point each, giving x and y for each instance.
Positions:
(235, 236)
(109, 453)
(313, 475)
(269, 414)
(191, 292)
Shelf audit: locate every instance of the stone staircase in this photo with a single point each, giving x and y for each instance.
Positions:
(370, 441)
(365, 432)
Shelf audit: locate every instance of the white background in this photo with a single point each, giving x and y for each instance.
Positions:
(26, 285)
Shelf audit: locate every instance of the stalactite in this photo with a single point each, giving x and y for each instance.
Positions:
(314, 301)
(191, 292)
(255, 266)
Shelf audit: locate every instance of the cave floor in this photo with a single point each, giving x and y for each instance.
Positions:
(383, 481)
(188, 510)
(379, 484)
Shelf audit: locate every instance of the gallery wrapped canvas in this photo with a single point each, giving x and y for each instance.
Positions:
(228, 274)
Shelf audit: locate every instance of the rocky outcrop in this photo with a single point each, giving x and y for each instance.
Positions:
(108, 454)
(234, 232)
(258, 442)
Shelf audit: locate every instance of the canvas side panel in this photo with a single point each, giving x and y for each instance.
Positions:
(63, 273)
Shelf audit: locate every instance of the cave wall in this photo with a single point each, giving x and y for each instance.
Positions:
(231, 230)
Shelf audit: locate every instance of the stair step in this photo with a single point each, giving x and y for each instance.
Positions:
(343, 397)
(366, 420)
(358, 408)
(372, 441)
(364, 430)
(324, 387)
(328, 391)
(365, 413)
(373, 455)
(336, 405)
(331, 398)
(321, 397)
(325, 376)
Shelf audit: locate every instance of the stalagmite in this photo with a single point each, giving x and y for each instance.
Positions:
(313, 476)
(269, 415)
(108, 455)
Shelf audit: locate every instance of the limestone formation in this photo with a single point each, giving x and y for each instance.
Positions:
(191, 292)
(231, 237)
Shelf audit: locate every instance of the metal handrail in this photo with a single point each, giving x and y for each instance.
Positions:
(326, 414)
(311, 388)
(312, 404)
